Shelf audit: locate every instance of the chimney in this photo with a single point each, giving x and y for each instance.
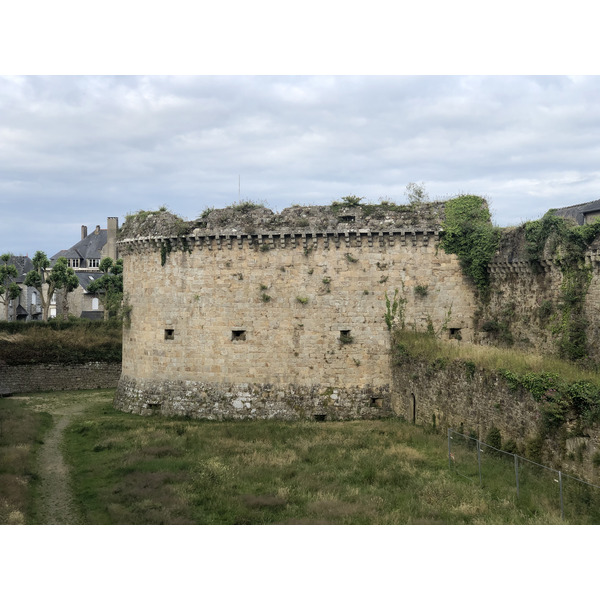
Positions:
(97, 230)
(112, 226)
(83, 232)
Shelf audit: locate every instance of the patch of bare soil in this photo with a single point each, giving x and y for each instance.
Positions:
(57, 506)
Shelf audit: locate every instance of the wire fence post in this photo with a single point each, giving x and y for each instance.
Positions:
(517, 472)
(479, 461)
(562, 509)
(449, 449)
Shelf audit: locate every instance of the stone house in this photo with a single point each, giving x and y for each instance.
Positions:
(84, 257)
(27, 307)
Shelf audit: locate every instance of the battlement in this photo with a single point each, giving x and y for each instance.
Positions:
(265, 241)
(252, 222)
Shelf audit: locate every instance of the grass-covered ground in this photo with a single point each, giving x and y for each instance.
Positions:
(129, 469)
(21, 433)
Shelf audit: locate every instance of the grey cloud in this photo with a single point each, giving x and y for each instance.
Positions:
(78, 148)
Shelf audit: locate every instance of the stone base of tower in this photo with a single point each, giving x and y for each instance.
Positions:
(223, 401)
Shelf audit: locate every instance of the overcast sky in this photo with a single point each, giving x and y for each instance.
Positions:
(74, 150)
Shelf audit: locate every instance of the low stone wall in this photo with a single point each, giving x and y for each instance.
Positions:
(474, 400)
(54, 377)
(250, 401)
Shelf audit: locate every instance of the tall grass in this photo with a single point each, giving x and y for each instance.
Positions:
(70, 341)
(430, 348)
(21, 431)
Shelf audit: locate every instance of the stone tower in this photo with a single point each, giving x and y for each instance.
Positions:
(250, 314)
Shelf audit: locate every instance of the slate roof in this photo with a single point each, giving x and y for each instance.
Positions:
(578, 211)
(86, 277)
(23, 265)
(89, 247)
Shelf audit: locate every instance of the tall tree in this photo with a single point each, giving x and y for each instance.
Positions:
(110, 286)
(9, 290)
(47, 280)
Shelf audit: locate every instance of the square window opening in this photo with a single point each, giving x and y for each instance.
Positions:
(169, 334)
(345, 336)
(454, 333)
(238, 335)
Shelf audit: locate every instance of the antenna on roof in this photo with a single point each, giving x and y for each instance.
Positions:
(239, 187)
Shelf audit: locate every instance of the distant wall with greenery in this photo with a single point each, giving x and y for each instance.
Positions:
(548, 411)
(544, 290)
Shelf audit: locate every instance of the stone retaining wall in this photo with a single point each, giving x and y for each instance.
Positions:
(54, 377)
(474, 400)
(201, 400)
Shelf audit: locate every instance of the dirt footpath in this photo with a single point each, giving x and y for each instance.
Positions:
(57, 506)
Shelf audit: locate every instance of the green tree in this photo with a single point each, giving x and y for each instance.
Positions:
(109, 286)
(9, 290)
(47, 280)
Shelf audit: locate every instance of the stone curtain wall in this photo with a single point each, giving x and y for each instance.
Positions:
(253, 326)
(474, 401)
(54, 377)
(525, 301)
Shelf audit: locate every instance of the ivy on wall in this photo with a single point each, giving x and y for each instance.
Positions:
(565, 243)
(469, 233)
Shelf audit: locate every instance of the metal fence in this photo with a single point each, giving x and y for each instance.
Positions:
(533, 486)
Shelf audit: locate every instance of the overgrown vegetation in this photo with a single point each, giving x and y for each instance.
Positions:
(469, 233)
(129, 469)
(153, 223)
(60, 341)
(394, 310)
(561, 387)
(566, 243)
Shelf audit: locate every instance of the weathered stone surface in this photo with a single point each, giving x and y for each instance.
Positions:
(270, 308)
(255, 401)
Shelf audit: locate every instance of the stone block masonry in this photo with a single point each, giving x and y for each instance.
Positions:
(278, 324)
(55, 377)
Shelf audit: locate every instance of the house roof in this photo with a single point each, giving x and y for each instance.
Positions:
(23, 265)
(578, 211)
(86, 277)
(89, 247)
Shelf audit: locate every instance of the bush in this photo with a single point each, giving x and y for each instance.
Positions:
(494, 437)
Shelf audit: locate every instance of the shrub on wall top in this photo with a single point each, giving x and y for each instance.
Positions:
(469, 233)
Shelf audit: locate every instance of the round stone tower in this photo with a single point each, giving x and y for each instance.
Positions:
(247, 314)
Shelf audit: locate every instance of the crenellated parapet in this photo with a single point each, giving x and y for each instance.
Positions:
(266, 240)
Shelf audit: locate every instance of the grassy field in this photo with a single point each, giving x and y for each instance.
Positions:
(152, 470)
(128, 469)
